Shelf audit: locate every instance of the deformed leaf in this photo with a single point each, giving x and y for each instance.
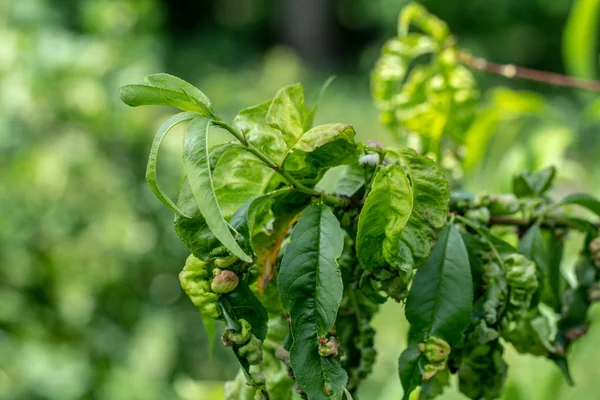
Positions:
(197, 165)
(319, 149)
(440, 301)
(152, 160)
(288, 114)
(165, 89)
(431, 198)
(545, 250)
(383, 217)
(245, 305)
(310, 284)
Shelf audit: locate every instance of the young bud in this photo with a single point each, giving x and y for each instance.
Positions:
(224, 281)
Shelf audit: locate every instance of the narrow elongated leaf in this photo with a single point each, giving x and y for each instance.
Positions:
(310, 284)
(196, 160)
(440, 301)
(193, 231)
(410, 369)
(165, 89)
(584, 200)
(152, 160)
(383, 217)
(313, 110)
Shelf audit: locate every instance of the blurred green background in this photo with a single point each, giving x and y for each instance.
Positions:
(90, 304)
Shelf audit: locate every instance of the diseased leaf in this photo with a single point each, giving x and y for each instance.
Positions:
(532, 184)
(319, 149)
(264, 221)
(351, 180)
(196, 160)
(311, 288)
(152, 160)
(252, 122)
(165, 89)
(383, 217)
(245, 305)
(440, 301)
(545, 250)
(288, 114)
(583, 200)
(238, 177)
(431, 198)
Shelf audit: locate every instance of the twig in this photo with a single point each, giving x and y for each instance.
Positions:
(513, 71)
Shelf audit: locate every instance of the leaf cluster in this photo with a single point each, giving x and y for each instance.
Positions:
(307, 269)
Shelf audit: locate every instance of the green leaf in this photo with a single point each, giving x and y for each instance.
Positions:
(288, 114)
(431, 199)
(440, 301)
(403, 212)
(319, 149)
(383, 217)
(311, 288)
(583, 200)
(580, 39)
(435, 386)
(543, 248)
(238, 177)
(252, 122)
(532, 184)
(196, 160)
(351, 180)
(245, 305)
(264, 221)
(165, 89)
(410, 369)
(152, 160)
(193, 231)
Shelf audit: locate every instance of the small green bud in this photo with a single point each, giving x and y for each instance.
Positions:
(224, 281)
